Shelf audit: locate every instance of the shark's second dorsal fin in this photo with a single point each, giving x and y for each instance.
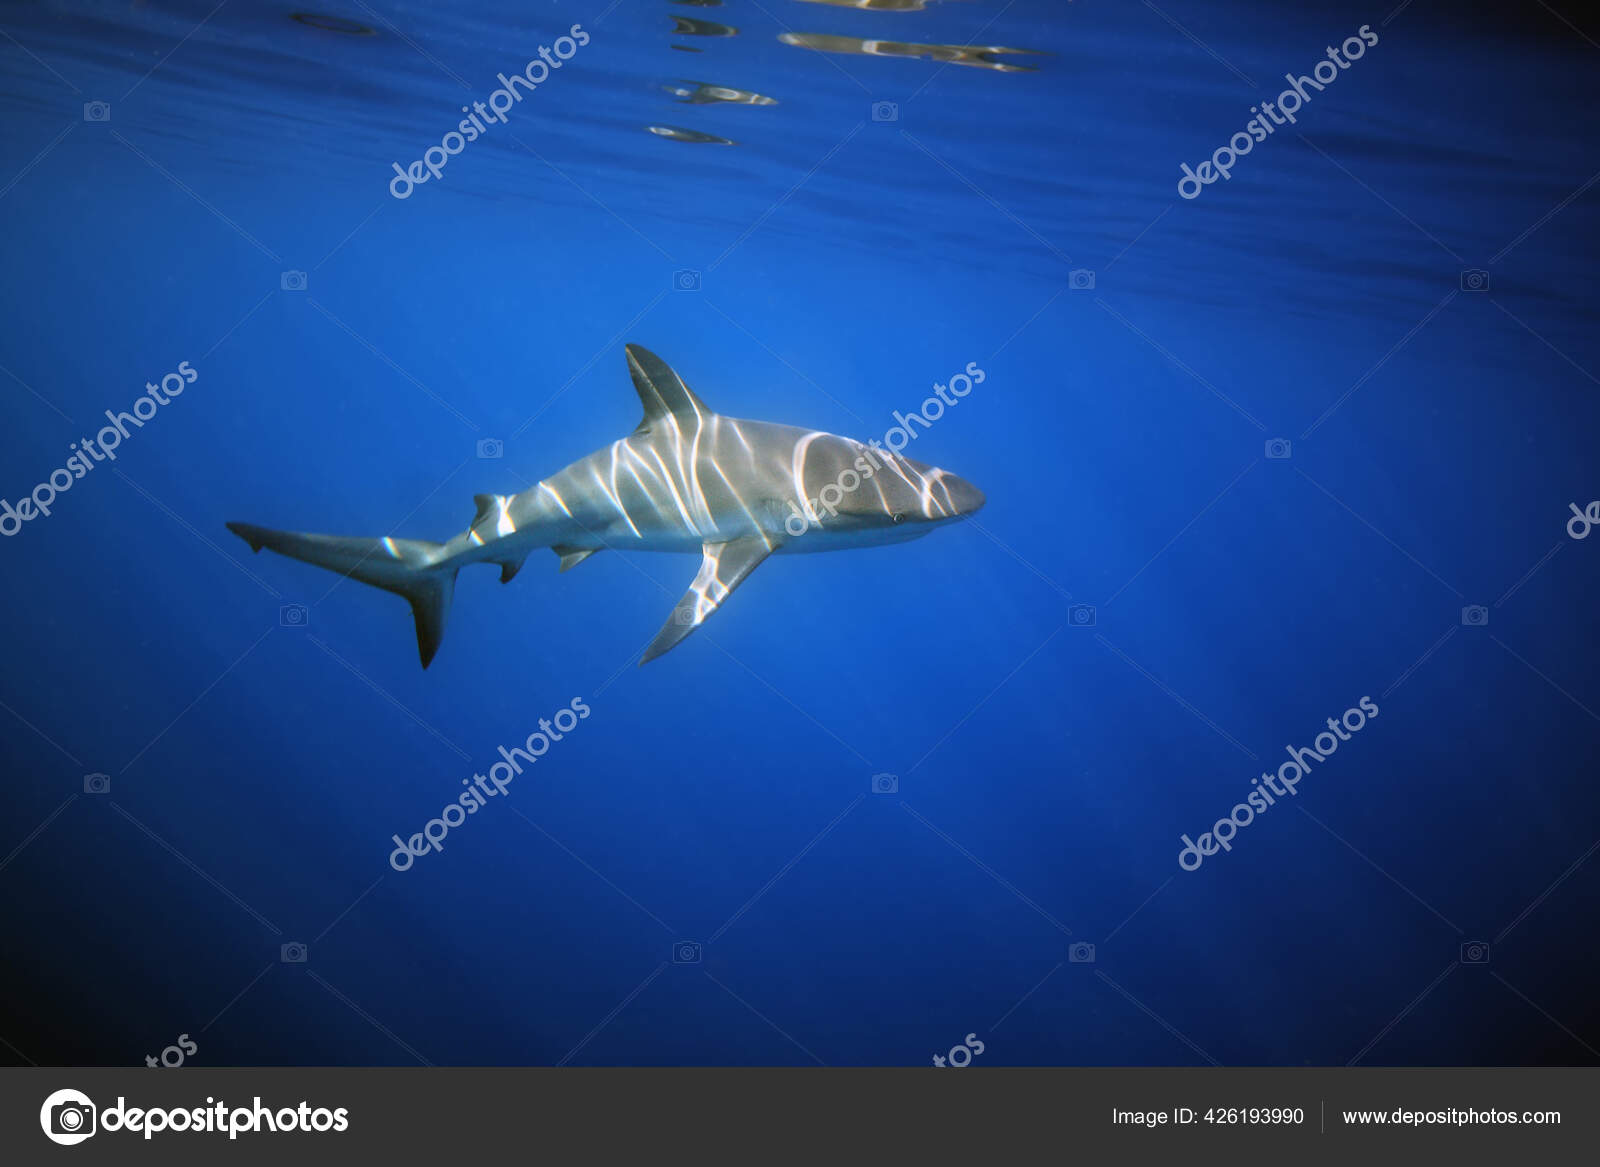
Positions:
(661, 391)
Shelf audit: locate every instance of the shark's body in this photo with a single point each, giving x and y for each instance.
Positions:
(687, 479)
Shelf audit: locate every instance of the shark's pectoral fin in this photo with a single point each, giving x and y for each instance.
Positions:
(724, 568)
(572, 556)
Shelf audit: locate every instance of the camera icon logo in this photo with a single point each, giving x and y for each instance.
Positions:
(885, 111)
(683, 617)
(97, 111)
(1081, 615)
(686, 952)
(97, 783)
(1081, 953)
(1475, 952)
(1475, 616)
(1474, 279)
(1278, 448)
(491, 448)
(686, 281)
(294, 616)
(1080, 279)
(67, 1117)
(293, 953)
(886, 784)
(292, 281)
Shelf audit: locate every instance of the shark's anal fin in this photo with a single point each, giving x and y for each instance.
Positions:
(572, 556)
(724, 568)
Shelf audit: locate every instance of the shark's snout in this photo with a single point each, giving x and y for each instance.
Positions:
(942, 495)
(965, 497)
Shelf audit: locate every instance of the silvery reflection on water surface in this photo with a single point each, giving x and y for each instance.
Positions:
(700, 93)
(979, 56)
(679, 134)
(879, 5)
(689, 26)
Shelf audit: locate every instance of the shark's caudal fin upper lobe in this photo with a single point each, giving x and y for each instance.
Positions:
(407, 567)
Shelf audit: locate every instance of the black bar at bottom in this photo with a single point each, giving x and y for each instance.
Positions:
(745, 1116)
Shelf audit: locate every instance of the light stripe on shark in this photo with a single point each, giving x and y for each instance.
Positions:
(555, 494)
(801, 449)
(671, 487)
(686, 479)
(504, 525)
(611, 493)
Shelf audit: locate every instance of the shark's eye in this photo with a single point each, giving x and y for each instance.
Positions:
(898, 517)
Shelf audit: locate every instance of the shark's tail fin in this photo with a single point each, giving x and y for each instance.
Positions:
(408, 567)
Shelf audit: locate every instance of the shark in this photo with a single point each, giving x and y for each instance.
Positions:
(687, 479)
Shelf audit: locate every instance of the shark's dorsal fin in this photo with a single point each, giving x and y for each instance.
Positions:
(661, 391)
(572, 556)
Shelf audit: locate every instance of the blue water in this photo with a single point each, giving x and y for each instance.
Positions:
(718, 805)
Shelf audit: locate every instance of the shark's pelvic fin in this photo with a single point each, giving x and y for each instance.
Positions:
(661, 391)
(572, 556)
(408, 567)
(724, 568)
